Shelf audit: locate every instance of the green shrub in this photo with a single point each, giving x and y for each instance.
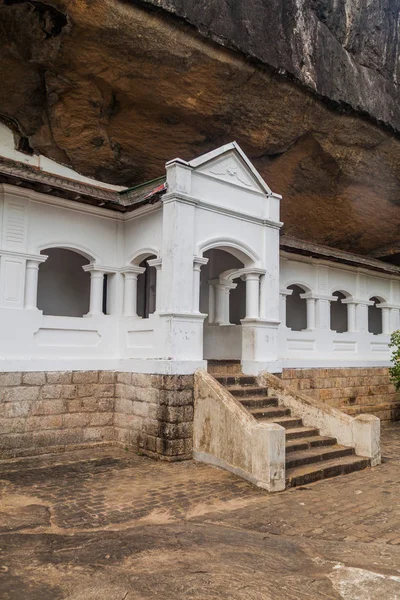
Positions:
(395, 369)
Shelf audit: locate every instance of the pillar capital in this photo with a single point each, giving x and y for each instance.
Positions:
(198, 262)
(132, 272)
(155, 262)
(34, 263)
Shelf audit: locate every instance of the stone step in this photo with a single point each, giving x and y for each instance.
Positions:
(236, 380)
(301, 432)
(304, 443)
(313, 455)
(330, 468)
(247, 390)
(286, 422)
(269, 412)
(259, 401)
(224, 367)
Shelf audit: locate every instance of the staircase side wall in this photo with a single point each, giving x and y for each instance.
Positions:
(354, 391)
(227, 436)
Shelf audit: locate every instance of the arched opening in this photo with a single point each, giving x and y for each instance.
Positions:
(375, 324)
(147, 289)
(339, 317)
(220, 261)
(296, 309)
(63, 286)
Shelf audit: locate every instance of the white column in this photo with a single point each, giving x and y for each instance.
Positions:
(323, 313)
(362, 316)
(351, 317)
(252, 296)
(31, 283)
(211, 303)
(96, 290)
(310, 313)
(394, 319)
(157, 263)
(385, 320)
(130, 290)
(198, 262)
(282, 305)
(220, 300)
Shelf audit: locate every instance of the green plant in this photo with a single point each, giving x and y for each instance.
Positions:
(395, 369)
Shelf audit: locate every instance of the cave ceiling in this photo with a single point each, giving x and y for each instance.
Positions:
(114, 90)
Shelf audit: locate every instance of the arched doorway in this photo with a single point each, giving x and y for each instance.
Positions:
(63, 285)
(224, 303)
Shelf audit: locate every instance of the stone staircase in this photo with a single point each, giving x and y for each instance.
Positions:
(309, 456)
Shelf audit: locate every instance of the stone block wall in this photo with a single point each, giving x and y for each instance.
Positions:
(354, 390)
(154, 413)
(48, 412)
(54, 411)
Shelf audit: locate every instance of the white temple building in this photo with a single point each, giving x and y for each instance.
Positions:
(165, 276)
(114, 302)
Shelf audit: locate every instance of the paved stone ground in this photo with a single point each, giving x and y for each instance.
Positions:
(105, 524)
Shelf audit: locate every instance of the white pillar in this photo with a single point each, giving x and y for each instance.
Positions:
(282, 305)
(351, 317)
(31, 282)
(157, 263)
(385, 320)
(130, 290)
(252, 296)
(211, 303)
(323, 309)
(394, 319)
(310, 313)
(96, 289)
(362, 316)
(220, 299)
(198, 262)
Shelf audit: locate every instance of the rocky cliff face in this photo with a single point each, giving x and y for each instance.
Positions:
(347, 51)
(115, 88)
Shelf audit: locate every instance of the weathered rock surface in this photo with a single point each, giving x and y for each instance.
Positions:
(347, 51)
(114, 90)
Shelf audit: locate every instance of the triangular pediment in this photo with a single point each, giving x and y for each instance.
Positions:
(231, 165)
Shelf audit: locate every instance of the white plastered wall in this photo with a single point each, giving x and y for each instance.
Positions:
(319, 345)
(215, 202)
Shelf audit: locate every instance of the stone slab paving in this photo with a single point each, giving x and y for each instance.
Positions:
(107, 524)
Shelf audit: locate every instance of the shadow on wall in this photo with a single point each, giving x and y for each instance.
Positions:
(63, 286)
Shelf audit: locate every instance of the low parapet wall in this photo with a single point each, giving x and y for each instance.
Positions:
(361, 433)
(353, 390)
(226, 435)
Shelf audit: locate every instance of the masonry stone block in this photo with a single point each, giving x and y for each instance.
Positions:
(47, 407)
(125, 378)
(44, 422)
(15, 409)
(59, 377)
(85, 377)
(19, 394)
(35, 378)
(9, 379)
(77, 419)
(86, 390)
(68, 391)
(107, 377)
(51, 391)
(101, 419)
(105, 390)
(16, 425)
